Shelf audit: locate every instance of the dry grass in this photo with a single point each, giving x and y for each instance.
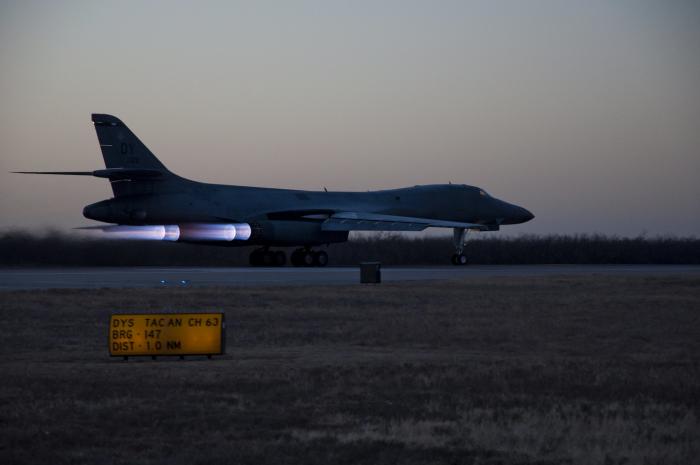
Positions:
(592, 370)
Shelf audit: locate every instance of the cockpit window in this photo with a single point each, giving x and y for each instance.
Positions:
(483, 193)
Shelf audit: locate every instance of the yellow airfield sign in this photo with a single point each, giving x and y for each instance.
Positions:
(132, 334)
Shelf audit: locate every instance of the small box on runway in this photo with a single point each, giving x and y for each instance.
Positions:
(370, 272)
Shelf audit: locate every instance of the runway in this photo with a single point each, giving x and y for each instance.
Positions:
(125, 277)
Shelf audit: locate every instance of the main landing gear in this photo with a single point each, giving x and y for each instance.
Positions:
(308, 257)
(300, 257)
(265, 257)
(459, 238)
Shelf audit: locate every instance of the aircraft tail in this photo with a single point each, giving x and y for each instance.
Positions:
(131, 168)
(120, 147)
(123, 151)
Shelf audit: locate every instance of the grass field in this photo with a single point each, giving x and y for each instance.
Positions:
(580, 370)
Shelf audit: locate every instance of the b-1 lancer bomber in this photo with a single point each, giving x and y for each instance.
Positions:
(151, 202)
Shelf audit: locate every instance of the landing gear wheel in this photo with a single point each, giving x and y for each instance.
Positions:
(320, 258)
(268, 258)
(256, 257)
(262, 257)
(307, 258)
(279, 258)
(459, 259)
(296, 257)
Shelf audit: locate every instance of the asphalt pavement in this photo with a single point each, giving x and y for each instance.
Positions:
(123, 277)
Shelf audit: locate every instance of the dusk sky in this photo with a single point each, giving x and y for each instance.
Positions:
(586, 113)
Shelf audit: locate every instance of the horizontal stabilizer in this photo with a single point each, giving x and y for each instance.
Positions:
(109, 173)
(68, 173)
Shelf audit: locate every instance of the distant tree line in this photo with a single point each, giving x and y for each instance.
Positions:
(20, 248)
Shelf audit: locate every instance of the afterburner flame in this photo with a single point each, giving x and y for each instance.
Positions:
(142, 233)
(207, 232)
(242, 231)
(172, 233)
(204, 232)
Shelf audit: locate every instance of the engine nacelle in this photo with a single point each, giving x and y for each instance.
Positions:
(293, 233)
(114, 211)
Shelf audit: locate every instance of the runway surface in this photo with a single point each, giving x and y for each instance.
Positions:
(66, 278)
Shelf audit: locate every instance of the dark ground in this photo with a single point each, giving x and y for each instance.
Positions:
(591, 370)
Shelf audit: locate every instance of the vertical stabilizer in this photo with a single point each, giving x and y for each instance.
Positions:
(121, 149)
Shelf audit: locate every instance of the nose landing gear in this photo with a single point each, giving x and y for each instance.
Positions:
(459, 238)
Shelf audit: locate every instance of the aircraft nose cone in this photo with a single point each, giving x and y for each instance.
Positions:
(527, 215)
(510, 213)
